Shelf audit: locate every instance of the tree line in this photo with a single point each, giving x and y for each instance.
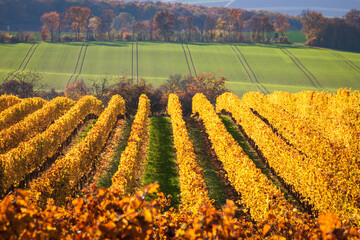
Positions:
(338, 33)
(103, 20)
(164, 26)
(114, 20)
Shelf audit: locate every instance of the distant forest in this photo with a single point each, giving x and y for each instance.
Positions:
(27, 13)
(149, 21)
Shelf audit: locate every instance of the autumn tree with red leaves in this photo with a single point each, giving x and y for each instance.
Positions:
(209, 84)
(236, 21)
(281, 24)
(313, 25)
(78, 18)
(51, 25)
(165, 23)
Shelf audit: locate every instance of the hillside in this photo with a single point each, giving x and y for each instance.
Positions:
(248, 67)
(262, 167)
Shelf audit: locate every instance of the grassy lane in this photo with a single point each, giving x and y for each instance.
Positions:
(86, 131)
(161, 166)
(105, 178)
(243, 144)
(215, 187)
(237, 135)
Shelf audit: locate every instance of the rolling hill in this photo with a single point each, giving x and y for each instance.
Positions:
(248, 67)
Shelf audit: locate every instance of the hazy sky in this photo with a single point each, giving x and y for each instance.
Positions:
(330, 8)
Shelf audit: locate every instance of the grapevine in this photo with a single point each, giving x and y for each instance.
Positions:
(257, 192)
(30, 155)
(64, 175)
(19, 111)
(7, 101)
(295, 168)
(125, 178)
(193, 189)
(34, 123)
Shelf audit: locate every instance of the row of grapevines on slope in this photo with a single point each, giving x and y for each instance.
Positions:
(7, 101)
(125, 178)
(288, 163)
(342, 171)
(193, 189)
(65, 174)
(34, 123)
(30, 155)
(332, 115)
(19, 111)
(335, 116)
(258, 193)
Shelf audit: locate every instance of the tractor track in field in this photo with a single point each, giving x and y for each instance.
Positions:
(247, 72)
(25, 57)
(20, 63)
(297, 62)
(187, 62)
(27, 62)
(77, 63)
(82, 63)
(247, 64)
(132, 62)
(137, 63)
(192, 62)
(32, 54)
(347, 61)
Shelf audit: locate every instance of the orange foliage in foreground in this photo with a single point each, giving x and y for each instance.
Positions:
(105, 214)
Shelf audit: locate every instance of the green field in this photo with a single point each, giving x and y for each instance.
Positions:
(248, 67)
(293, 36)
(296, 37)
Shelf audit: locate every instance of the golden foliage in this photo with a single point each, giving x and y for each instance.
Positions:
(7, 101)
(336, 165)
(193, 189)
(257, 192)
(63, 176)
(30, 155)
(34, 123)
(304, 174)
(107, 214)
(18, 111)
(125, 178)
